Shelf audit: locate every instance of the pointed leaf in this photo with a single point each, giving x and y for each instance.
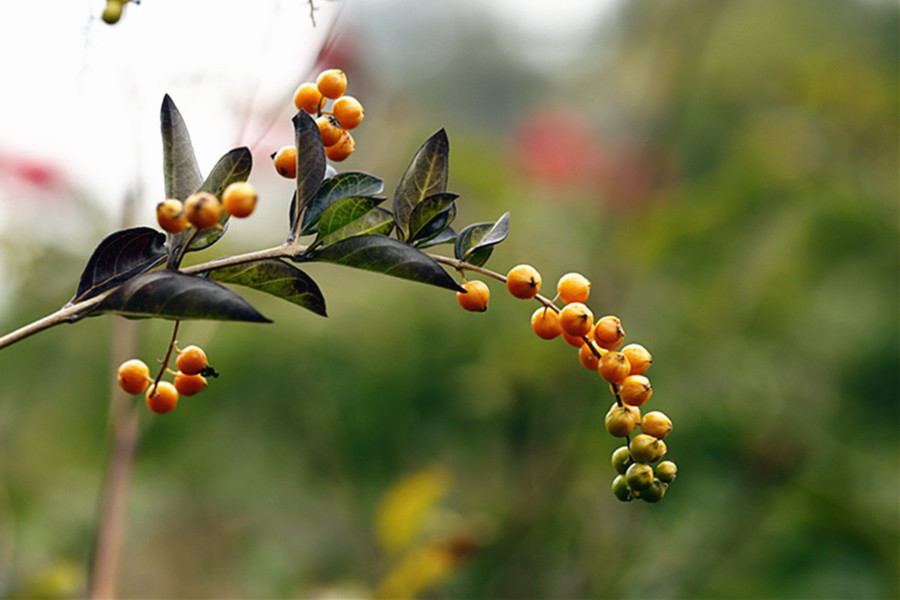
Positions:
(342, 185)
(310, 166)
(376, 221)
(475, 243)
(425, 175)
(344, 211)
(182, 175)
(427, 211)
(120, 256)
(440, 222)
(447, 235)
(170, 294)
(276, 277)
(385, 255)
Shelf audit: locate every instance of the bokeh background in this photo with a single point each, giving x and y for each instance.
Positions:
(726, 174)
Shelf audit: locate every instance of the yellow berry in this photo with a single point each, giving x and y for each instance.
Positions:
(285, 160)
(523, 281)
(639, 358)
(646, 448)
(639, 476)
(545, 323)
(330, 129)
(621, 420)
(614, 367)
(171, 216)
(666, 471)
(133, 376)
(203, 210)
(162, 398)
(656, 424)
(332, 83)
(342, 149)
(348, 111)
(112, 12)
(188, 385)
(573, 287)
(307, 97)
(191, 360)
(476, 296)
(239, 199)
(635, 389)
(608, 332)
(576, 319)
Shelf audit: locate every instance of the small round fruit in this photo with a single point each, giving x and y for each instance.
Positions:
(608, 332)
(646, 448)
(239, 199)
(639, 358)
(203, 210)
(330, 130)
(162, 398)
(573, 287)
(576, 341)
(614, 367)
(348, 111)
(656, 424)
(171, 216)
(620, 488)
(576, 319)
(620, 421)
(332, 83)
(286, 161)
(307, 97)
(112, 12)
(589, 356)
(191, 360)
(635, 390)
(523, 281)
(666, 471)
(639, 476)
(545, 323)
(133, 376)
(476, 296)
(342, 149)
(621, 459)
(188, 385)
(655, 492)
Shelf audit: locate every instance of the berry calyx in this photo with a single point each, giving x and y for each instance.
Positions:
(307, 97)
(162, 398)
(638, 357)
(171, 216)
(523, 282)
(203, 210)
(476, 296)
(635, 390)
(285, 160)
(133, 376)
(342, 149)
(573, 287)
(614, 367)
(191, 360)
(332, 83)
(608, 332)
(656, 424)
(330, 129)
(188, 385)
(545, 323)
(576, 319)
(348, 111)
(239, 199)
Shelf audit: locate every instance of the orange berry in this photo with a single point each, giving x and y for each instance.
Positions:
(332, 83)
(635, 390)
(523, 281)
(573, 287)
(203, 210)
(608, 332)
(307, 97)
(133, 376)
(656, 424)
(330, 129)
(191, 360)
(171, 216)
(588, 358)
(239, 199)
(614, 367)
(348, 111)
(188, 385)
(342, 149)
(162, 398)
(639, 358)
(286, 161)
(476, 296)
(576, 341)
(576, 319)
(545, 323)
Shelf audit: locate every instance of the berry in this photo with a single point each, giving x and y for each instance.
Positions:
(332, 83)
(576, 319)
(639, 358)
(476, 296)
(573, 287)
(191, 360)
(573, 340)
(587, 356)
(162, 398)
(307, 97)
(188, 385)
(348, 111)
(620, 488)
(646, 448)
(523, 281)
(239, 199)
(203, 210)
(112, 12)
(654, 493)
(656, 424)
(621, 459)
(666, 471)
(635, 390)
(614, 367)
(342, 149)
(639, 476)
(133, 376)
(545, 323)
(608, 332)
(620, 421)
(330, 129)
(286, 161)
(171, 216)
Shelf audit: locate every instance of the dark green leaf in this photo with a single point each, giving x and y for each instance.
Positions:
(310, 166)
(425, 175)
(119, 257)
(182, 175)
(429, 211)
(385, 255)
(440, 222)
(276, 277)
(376, 221)
(448, 234)
(342, 185)
(344, 211)
(170, 294)
(475, 243)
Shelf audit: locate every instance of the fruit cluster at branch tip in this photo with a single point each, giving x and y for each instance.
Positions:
(162, 396)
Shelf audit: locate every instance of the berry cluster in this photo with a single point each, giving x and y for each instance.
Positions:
(600, 349)
(162, 396)
(203, 209)
(334, 125)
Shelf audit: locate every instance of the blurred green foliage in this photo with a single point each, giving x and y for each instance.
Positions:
(740, 215)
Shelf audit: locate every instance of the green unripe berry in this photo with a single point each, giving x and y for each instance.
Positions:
(622, 420)
(621, 459)
(646, 448)
(639, 476)
(655, 492)
(666, 471)
(620, 488)
(113, 12)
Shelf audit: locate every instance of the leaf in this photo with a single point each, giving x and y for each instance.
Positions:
(425, 175)
(448, 234)
(385, 255)
(170, 294)
(344, 211)
(182, 175)
(440, 222)
(117, 258)
(310, 166)
(376, 221)
(427, 212)
(475, 243)
(276, 277)
(342, 185)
